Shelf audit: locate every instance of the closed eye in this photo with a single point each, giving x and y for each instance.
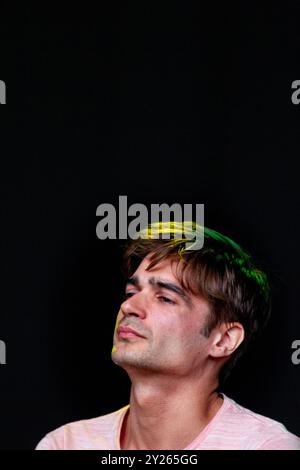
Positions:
(128, 294)
(161, 298)
(165, 300)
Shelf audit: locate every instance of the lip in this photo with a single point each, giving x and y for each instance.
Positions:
(126, 331)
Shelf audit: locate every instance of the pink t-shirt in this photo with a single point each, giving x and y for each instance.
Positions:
(232, 428)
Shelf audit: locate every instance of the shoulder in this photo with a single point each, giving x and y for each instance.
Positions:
(94, 433)
(257, 431)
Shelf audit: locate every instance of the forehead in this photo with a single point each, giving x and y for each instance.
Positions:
(165, 268)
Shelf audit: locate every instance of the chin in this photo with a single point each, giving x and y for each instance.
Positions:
(126, 359)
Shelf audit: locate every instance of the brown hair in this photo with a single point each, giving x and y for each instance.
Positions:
(221, 272)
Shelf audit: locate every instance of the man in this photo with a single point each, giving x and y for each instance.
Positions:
(186, 318)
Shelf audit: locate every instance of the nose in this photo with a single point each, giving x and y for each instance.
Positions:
(134, 306)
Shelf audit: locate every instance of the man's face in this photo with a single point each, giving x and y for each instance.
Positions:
(170, 319)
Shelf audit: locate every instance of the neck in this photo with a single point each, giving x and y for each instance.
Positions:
(168, 413)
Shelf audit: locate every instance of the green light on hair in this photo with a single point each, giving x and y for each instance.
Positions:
(189, 230)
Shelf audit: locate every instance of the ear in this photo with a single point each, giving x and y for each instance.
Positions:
(226, 338)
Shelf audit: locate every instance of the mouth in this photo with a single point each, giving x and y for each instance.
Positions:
(126, 332)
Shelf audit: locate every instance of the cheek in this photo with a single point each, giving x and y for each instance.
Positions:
(172, 333)
(191, 336)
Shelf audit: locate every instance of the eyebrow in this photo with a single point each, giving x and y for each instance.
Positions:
(134, 281)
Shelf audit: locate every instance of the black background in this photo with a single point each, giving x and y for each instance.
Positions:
(162, 103)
